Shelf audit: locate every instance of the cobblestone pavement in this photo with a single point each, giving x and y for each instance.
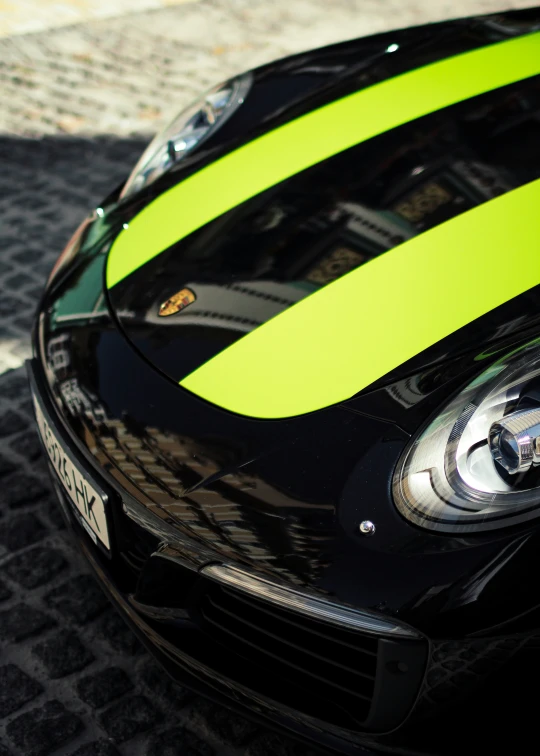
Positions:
(24, 16)
(123, 75)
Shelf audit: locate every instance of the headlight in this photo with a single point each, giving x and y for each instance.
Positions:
(187, 131)
(476, 467)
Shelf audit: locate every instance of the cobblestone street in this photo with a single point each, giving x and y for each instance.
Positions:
(125, 75)
(79, 104)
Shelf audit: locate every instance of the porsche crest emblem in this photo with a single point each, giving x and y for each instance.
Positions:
(177, 302)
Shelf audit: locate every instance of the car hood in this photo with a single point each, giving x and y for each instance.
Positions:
(278, 286)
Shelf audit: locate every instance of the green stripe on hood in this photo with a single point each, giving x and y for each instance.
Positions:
(341, 339)
(301, 143)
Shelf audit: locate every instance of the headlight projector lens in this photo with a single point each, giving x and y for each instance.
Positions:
(515, 441)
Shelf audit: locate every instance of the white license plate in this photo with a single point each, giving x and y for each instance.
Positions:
(88, 503)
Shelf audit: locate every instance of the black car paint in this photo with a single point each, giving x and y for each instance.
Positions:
(298, 487)
(286, 243)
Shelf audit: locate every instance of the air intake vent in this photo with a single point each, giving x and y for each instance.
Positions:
(330, 665)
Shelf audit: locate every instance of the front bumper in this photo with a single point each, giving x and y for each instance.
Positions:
(316, 668)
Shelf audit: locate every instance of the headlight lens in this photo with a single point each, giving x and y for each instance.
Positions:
(476, 467)
(188, 130)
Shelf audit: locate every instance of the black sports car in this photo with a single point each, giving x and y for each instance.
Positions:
(288, 379)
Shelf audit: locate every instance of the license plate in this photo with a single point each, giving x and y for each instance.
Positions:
(87, 501)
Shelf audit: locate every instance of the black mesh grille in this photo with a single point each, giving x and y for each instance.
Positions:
(333, 667)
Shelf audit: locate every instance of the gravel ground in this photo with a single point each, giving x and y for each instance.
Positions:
(73, 680)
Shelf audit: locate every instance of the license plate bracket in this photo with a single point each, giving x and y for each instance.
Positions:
(89, 502)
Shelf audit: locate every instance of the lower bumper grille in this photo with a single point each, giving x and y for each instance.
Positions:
(344, 677)
(321, 659)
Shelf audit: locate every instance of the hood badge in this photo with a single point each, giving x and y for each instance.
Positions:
(177, 302)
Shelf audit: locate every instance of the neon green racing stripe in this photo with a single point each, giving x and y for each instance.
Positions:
(336, 342)
(301, 143)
